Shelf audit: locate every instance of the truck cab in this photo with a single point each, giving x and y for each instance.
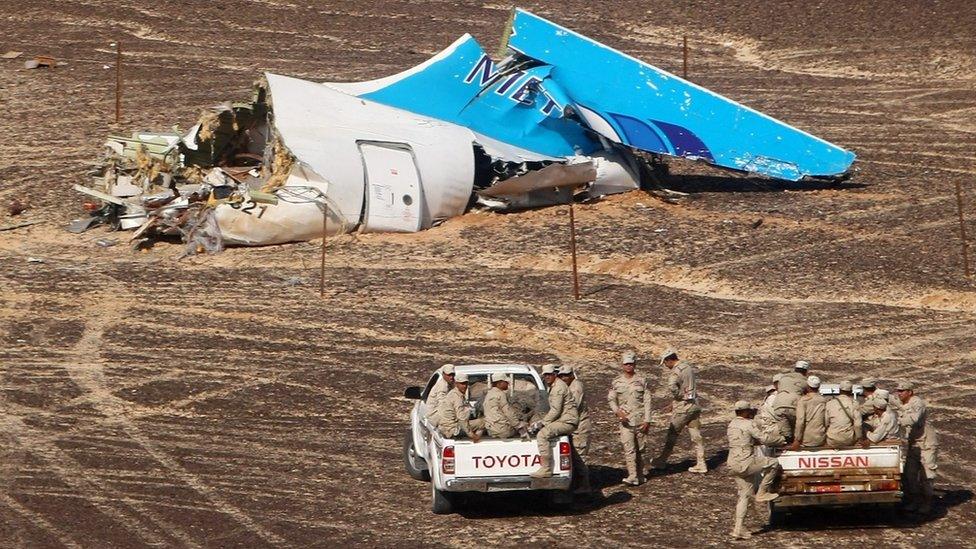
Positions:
(457, 465)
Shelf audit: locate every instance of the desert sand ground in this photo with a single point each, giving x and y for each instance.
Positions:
(218, 401)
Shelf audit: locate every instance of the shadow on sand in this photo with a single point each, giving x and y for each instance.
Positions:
(488, 506)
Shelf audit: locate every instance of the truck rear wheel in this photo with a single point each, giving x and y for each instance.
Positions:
(442, 503)
(776, 516)
(412, 462)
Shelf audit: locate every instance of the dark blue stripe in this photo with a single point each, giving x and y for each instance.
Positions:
(638, 134)
(685, 142)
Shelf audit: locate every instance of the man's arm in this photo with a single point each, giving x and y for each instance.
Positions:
(509, 412)
(612, 399)
(576, 389)
(911, 413)
(801, 420)
(647, 407)
(858, 422)
(674, 385)
(555, 406)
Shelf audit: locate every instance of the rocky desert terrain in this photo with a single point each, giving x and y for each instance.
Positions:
(219, 401)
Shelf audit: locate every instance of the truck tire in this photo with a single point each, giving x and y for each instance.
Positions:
(412, 462)
(776, 516)
(442, 503)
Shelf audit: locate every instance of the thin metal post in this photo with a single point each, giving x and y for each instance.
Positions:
(962, 230)
(684, 64)
(572, 245)
(118, 81)
(325, 220)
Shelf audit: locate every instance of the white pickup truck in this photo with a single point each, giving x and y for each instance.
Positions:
(490, 465)
(838, 477)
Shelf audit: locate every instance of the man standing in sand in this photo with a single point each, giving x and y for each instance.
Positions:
(685, 411)
(631, 403)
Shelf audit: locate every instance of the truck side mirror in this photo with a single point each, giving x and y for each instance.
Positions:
(412, 392)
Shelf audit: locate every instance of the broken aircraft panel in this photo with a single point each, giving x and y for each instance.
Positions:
(561, 116)
(559, 91)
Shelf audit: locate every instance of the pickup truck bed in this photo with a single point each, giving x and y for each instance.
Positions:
(456, 465)
(840, 477)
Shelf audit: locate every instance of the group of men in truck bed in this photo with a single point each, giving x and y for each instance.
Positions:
(795, 415)
(567, 414)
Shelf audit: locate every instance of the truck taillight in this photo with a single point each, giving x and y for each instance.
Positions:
(565, 456)
(447, 460)
(888, 485)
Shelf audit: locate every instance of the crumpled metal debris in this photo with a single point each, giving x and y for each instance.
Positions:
(168, 184)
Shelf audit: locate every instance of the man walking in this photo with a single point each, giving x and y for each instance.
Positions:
(685, 411)
(745, 465)
(631, 403)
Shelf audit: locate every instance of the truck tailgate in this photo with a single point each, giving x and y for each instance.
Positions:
(493, 458)
(877, 457)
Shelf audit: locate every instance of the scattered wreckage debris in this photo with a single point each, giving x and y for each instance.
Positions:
(408, 151)
(19, 225)
(17, 206)
(41, 61)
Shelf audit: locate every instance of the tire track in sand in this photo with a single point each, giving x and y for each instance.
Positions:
(88, 374)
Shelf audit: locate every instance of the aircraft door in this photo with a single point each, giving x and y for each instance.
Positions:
(393, 188)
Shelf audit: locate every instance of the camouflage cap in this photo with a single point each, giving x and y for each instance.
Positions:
(869, 383)
(743, 405)
(905, 386)
(566, 370)
(461, 378)
(881, 395)
(770, 388)
(628, 357)
(777, 377)
(802, 365)
(549, 369)
(813, 382)
(498, 376)
(447, 369)
(846, 386)
(668, 353)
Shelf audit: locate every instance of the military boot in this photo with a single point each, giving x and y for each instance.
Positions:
(740, 533)
(545, 471)
(632, 477)
(763, 497)
(700, 466)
